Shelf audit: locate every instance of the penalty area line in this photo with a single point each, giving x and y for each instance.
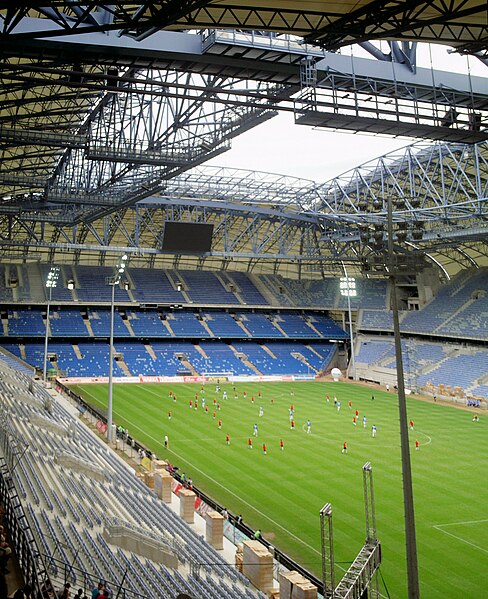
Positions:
(460, 523)
(439, 528)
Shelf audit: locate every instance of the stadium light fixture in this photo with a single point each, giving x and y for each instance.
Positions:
(114, 280)
(347, 286)
(51, 282)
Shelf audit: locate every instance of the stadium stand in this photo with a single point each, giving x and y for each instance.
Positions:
(327, 327)
(294, 326)
(186, 325)
(259, 325)
(156, 288)
(461, 370)
(375, 320)
(223, 325)
(216, 288)
(67, 323)
(92, 285)
(452, 369)
(206, 288)
(444, 314)
(371, 294)
(100, 323)
(147, 324)
(94, 360)
(244, 287)
(70, 513)
(26, 323)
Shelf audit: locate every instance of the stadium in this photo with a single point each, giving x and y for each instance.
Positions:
(225, 382)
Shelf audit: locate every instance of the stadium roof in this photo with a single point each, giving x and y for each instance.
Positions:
(331, 24)
(102, 140)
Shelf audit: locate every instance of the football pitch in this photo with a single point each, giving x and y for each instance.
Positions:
(283, 491)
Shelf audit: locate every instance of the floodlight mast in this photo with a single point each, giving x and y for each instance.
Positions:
(347, 287)
(408, 506)
(51, 282)
(114, 280)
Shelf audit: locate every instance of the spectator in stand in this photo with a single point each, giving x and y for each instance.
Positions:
(64, 592)
(5, 552)
(23, 593)
(98, 591)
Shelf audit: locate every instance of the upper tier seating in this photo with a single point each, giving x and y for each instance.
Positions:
(371, 293)
(153, 286)
(92, 285)
(244, 287)
(223, 325)
(326, 326)
(259, 325)
(60, 293)
(205, 288)
(199, 287)
(186, 324)
(26, 323)
(376, 320)
(295, 326)
(100, 323)
(444, 314)
(67, 323)
(147, 324)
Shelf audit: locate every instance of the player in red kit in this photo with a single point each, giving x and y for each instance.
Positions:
(264, 448)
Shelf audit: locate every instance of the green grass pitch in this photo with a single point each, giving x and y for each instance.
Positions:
(282, 492)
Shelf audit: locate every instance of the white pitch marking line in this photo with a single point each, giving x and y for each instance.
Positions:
(460, 523)
(425, 435)
(461, 539)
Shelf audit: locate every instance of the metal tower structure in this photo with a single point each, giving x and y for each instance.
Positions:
(362, 573)
(327, 547)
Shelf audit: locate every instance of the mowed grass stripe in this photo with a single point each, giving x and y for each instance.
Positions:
(282, 492)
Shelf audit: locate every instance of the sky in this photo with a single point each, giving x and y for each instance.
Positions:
(280, 146)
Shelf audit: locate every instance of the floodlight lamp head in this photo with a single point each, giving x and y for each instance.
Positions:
(52, 277)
